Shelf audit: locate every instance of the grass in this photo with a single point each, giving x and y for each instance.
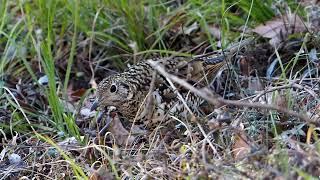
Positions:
(70, 42)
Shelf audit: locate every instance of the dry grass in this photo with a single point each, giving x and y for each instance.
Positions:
(261, 115)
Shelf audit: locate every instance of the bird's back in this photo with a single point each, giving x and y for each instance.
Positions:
(153, 98)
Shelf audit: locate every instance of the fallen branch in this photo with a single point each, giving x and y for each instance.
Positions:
(218, 101)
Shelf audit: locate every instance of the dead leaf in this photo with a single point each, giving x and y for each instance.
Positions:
(309, 134)
(78, 93)
(255, 84)
(280, 27)
(241, 147)
(115, 126)
(102, 173)
(215, 31)
(119, 132)
(281, 101)
(244, 65)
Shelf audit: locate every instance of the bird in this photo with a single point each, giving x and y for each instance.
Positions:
(142, 96)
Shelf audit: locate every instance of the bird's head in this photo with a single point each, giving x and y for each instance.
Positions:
(112, 91)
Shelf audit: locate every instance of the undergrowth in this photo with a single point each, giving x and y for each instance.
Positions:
(54, 52)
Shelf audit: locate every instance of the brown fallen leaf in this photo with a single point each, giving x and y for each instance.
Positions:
(241, 147)
(78, 93)
(115, 126)
(120, 133)
(282, 101)
(244, 66)
(279, 28)
(102, 173)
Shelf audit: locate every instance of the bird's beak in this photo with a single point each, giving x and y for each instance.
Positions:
(95, 105)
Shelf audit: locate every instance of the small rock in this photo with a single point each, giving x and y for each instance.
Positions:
(14, 158)
(52, 152)
(43, 80)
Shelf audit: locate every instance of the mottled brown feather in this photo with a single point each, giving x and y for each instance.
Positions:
(133, 85)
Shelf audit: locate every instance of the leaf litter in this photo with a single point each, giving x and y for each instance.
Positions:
(237, 143)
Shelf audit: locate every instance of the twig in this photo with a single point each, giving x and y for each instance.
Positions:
(180, 97)
(145, 105)
(210, 97)
(290, 85)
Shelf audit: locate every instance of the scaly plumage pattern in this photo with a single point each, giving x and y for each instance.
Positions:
(127, 91)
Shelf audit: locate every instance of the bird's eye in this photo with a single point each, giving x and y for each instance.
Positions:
(113, 88)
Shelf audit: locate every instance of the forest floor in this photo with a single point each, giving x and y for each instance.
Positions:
(54, 53)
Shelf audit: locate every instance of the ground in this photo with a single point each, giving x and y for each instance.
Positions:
(263, 122)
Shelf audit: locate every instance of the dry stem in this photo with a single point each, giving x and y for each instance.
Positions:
(215, 100)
